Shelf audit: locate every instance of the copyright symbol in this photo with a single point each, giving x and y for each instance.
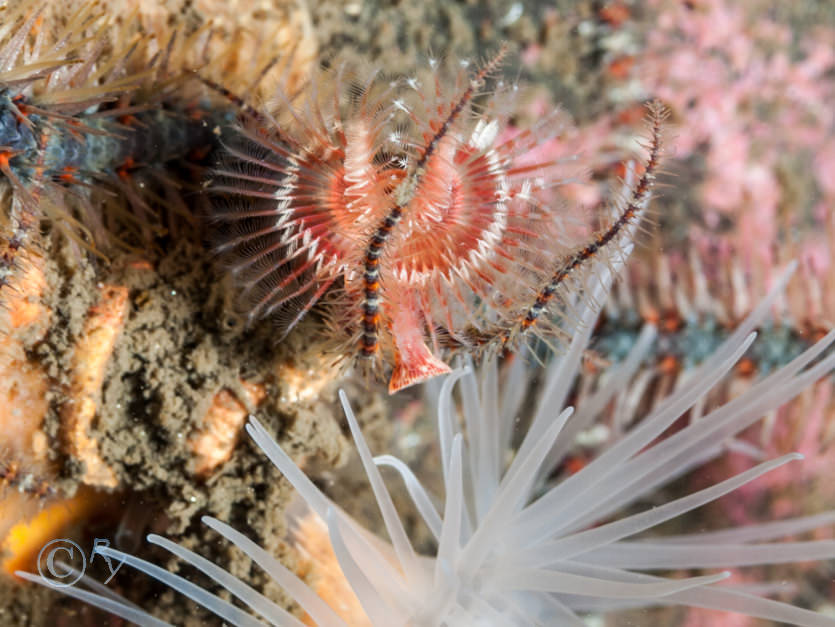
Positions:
(61, 574)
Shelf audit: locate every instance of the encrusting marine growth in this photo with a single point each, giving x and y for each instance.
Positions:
(105, 136)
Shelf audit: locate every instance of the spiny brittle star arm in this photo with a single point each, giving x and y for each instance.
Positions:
(500, 336)
(369, 340)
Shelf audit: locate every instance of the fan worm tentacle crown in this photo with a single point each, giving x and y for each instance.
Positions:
(414, 206)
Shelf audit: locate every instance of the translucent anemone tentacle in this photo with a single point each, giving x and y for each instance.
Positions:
(521, 558)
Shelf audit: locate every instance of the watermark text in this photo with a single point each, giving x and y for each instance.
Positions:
(62, 562)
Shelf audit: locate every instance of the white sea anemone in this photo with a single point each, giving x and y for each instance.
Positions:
(510, 551)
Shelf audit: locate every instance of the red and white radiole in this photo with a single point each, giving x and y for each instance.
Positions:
(429, 224)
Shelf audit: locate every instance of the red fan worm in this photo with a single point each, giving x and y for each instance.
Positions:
(429, 221)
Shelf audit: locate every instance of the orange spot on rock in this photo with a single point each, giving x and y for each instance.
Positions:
(651, 315)
(621, 67)
(668, 365)
(575, 464)
(671, 322)
(24, 301)
(101, 330)
(746, 367)
(141, 264)
(222, 425)
(25, 540)
(631, 115)
(614, 14)
(23, 383)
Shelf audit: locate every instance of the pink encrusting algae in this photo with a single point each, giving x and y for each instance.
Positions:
(431, 226)
(756, 105)
(749, 86)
